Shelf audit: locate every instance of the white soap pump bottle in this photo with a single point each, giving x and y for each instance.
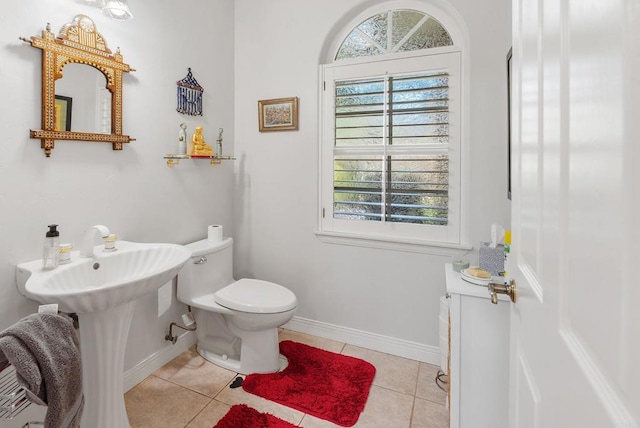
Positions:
(51, 248)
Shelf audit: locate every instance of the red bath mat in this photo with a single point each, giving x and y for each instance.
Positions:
(243, 416)
(324, 384)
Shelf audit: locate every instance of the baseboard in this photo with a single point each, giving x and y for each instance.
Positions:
(144, 368)
(389, 345)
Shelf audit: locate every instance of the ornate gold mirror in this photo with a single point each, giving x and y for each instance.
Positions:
(78, 51)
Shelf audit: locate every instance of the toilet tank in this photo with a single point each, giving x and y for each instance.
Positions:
(209, 269)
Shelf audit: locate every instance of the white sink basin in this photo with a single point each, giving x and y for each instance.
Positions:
(109, 279)
(102, 290)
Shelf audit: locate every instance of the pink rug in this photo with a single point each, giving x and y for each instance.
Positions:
(243, 416)
(324, 384)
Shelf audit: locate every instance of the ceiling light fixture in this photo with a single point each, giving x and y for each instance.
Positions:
(95, 3)
(116, 9)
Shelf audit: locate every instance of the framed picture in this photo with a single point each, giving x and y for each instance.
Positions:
(63, 113)
(509, 124)
(280, 114)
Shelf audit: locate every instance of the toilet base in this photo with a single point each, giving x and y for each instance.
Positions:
(242, 342)
(231, 363)
(223, 361)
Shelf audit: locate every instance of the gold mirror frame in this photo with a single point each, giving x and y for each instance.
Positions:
(78, 42)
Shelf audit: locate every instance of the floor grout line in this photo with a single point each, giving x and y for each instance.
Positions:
(197, 414)
(191, 389)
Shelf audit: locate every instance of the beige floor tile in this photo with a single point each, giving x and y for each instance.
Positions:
(427, 414)
(210, 415)
(192, 371)
(384, 409)
(318, 342)
(233, 396)
(157, 403)
(427, 387)
(312, 422)
(395, 373)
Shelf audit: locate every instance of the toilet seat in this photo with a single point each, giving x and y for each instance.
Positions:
(256, 296)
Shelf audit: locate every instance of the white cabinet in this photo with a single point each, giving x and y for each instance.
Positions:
(479, 355)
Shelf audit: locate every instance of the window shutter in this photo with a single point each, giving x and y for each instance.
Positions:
(390, 153)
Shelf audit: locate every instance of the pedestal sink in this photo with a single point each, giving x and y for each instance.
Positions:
(102, 290)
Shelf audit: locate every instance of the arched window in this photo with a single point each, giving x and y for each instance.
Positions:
(391, 132)
(394, 31)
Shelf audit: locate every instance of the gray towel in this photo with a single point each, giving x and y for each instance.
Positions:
(44, 349)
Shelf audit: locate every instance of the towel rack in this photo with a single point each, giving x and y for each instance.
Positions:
(13, 398)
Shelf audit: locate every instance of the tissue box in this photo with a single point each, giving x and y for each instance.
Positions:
(492, 258)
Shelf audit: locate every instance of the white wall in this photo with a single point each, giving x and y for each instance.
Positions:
(270, 204)
(279, 45)
(130, 191)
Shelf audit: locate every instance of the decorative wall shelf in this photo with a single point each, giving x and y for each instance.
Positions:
(173, 159)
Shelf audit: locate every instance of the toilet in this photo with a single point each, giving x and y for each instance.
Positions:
(237, 321)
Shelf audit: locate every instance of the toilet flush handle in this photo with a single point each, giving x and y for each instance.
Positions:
(200, 261)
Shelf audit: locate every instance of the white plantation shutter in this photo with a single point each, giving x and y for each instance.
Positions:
(391, 148)
(406, 112)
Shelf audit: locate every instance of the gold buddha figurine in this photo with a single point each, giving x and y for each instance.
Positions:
(199, 146)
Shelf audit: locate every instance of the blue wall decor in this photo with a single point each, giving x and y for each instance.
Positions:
(189, 96)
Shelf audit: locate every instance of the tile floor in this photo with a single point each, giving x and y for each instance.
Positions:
(190, 392)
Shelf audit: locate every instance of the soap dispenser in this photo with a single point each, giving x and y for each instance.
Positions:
(51, 248)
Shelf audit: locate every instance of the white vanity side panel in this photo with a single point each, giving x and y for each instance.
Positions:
(479, 365)
(484, 363)
(454, 361)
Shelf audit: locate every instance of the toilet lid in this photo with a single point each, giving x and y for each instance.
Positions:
(256, 296)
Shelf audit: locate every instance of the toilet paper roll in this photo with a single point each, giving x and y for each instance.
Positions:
(214, 233)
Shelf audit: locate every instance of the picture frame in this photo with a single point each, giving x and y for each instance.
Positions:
(509, 74)
(63, 113)
(278, 114)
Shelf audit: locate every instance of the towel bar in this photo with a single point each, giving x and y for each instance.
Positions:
(74, 318)
(13, 398)
(15, 401)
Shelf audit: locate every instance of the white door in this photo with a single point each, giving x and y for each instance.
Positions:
(575, 338)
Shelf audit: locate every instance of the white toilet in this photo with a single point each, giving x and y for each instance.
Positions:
(237, 321)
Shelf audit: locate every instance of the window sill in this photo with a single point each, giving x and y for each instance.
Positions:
(395, 244)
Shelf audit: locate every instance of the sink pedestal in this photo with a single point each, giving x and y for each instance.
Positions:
(103, 339)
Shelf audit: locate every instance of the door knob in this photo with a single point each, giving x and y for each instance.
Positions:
(508, 289)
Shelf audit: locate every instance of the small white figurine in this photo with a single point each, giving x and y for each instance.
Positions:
(182, 140)
(219, 142)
